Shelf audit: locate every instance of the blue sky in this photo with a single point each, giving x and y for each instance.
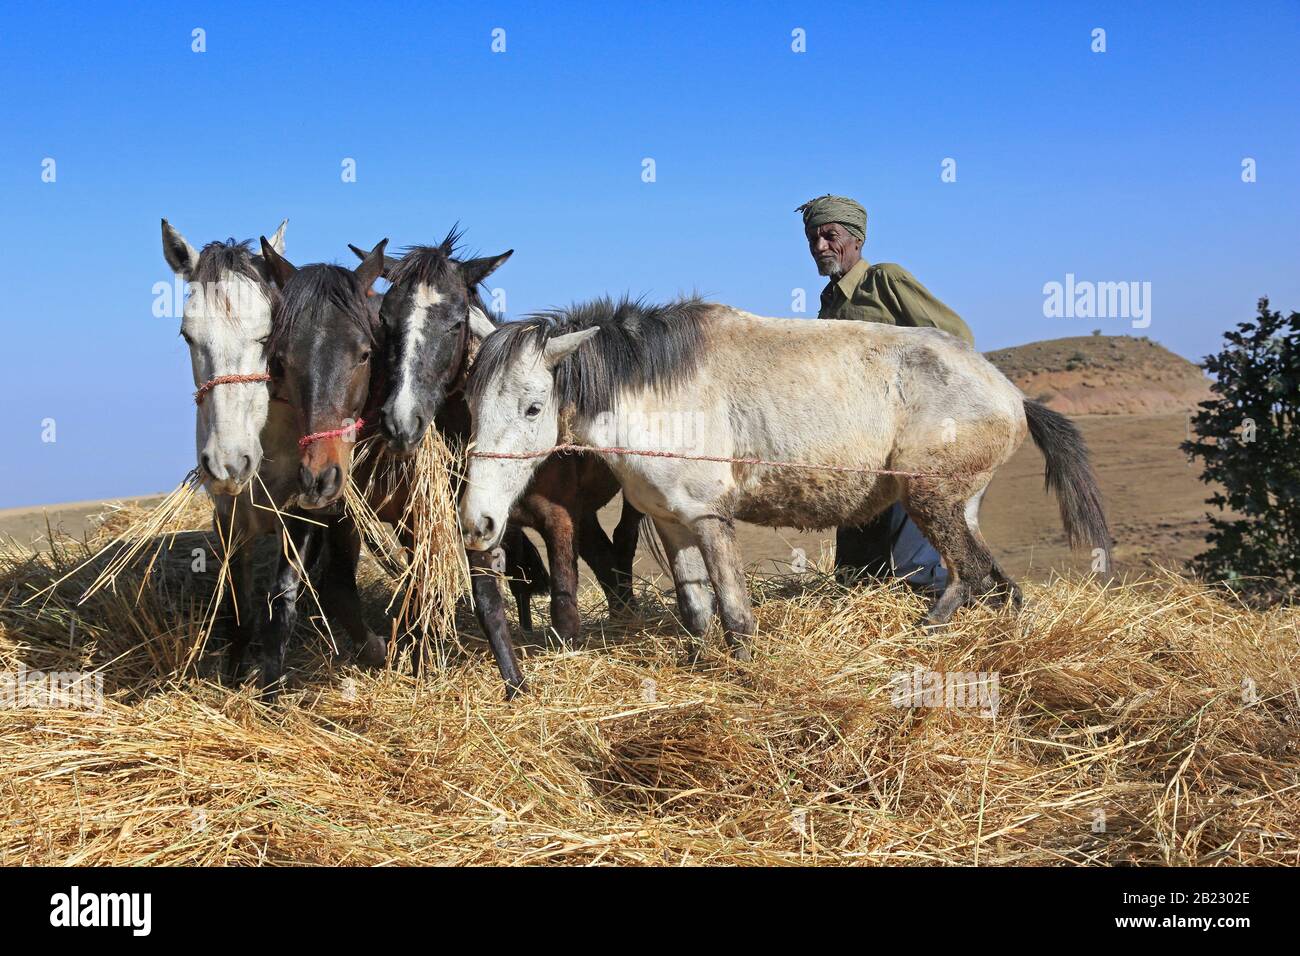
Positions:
(1115, 166)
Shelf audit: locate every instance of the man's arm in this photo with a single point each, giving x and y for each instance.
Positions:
(913, 304)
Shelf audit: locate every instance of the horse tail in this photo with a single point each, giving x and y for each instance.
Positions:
(1070, 477)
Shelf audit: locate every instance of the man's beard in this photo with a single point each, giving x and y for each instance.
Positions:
(830, 267)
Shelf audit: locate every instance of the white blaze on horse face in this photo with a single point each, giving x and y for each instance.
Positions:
(406, 400)
(225, 324)
(515, 415)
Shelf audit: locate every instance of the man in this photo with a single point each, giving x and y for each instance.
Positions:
(836, 228)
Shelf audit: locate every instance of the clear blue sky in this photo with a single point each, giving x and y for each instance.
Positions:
(1115, 166)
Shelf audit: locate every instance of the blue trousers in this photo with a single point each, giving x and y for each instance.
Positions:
(889, 546)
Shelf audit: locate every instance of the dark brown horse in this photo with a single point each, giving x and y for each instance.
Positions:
(433, 318)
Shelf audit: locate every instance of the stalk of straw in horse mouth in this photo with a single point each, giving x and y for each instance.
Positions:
(432, 577)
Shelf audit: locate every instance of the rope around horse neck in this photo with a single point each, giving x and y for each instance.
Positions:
(721, 459)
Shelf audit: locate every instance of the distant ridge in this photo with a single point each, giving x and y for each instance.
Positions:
(1104, 375)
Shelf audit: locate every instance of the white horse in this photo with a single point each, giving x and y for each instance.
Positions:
(247, 443)
(886, 413)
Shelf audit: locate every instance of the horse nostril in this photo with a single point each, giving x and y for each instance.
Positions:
(330, 482)
(306, 480)
(485, 526)
(246, 468)
(207, 465)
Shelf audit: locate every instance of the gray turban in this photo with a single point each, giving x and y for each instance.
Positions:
(841, 209)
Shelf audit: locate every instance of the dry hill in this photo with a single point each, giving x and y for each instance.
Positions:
(1104, 375)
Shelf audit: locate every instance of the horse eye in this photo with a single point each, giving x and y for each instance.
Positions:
(365, 357)
(534, 410)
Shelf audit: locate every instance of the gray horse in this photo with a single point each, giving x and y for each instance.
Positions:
(885, 414)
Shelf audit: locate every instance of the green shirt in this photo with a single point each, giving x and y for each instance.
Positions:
(888, 293)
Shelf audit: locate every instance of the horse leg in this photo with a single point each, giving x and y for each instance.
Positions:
(1001, 587)
(239, 603)
(492, 619)
(595, 548)
(236, 539)
(304, 541)
(626, 533)
(717, 537)
(340, 599)
(942, 518)
(524, 571)
(558, 534)
(690, 577)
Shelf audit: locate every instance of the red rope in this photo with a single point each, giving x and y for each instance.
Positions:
(228, 380)
(718, 458)
(352, 429)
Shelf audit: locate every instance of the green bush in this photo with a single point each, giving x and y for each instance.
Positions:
(1248, 437)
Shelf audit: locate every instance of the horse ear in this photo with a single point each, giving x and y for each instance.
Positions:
(389, 262)
(480, 326)
(180, 255)
(475, 271)
(280, 268)
(372, 266)
(277, 241)
(562, 346)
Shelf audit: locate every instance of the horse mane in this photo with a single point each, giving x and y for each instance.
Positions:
(640, 345)
(219, 258)
(433, 265)
(308, 290)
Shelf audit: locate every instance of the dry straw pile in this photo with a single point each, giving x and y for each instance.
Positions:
(1151, 723)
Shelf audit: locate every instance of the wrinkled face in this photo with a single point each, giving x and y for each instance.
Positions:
(322, 367)
(225, 324)
(514, 412)
(833, 248)
(427, 330)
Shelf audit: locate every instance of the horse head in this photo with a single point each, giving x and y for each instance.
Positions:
(429, 313)
(226, 320)
(321, 350)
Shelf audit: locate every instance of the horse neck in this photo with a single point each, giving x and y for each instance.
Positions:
(453, 421)
(380, 382)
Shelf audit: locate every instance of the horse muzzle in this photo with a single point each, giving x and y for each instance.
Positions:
(227, 474)
(483, 533)
(320, 489)
(403, 429)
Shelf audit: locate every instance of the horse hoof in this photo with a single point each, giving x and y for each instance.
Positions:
(741, 653)
(514, 689)
(373, 653)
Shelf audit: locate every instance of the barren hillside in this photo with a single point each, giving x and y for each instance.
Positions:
(1104, 375)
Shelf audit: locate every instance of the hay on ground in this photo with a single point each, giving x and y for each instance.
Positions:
(1150, 723)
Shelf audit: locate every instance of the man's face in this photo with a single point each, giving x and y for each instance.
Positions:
(833, 248)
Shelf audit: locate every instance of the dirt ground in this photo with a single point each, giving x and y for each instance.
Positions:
(1155, 503)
